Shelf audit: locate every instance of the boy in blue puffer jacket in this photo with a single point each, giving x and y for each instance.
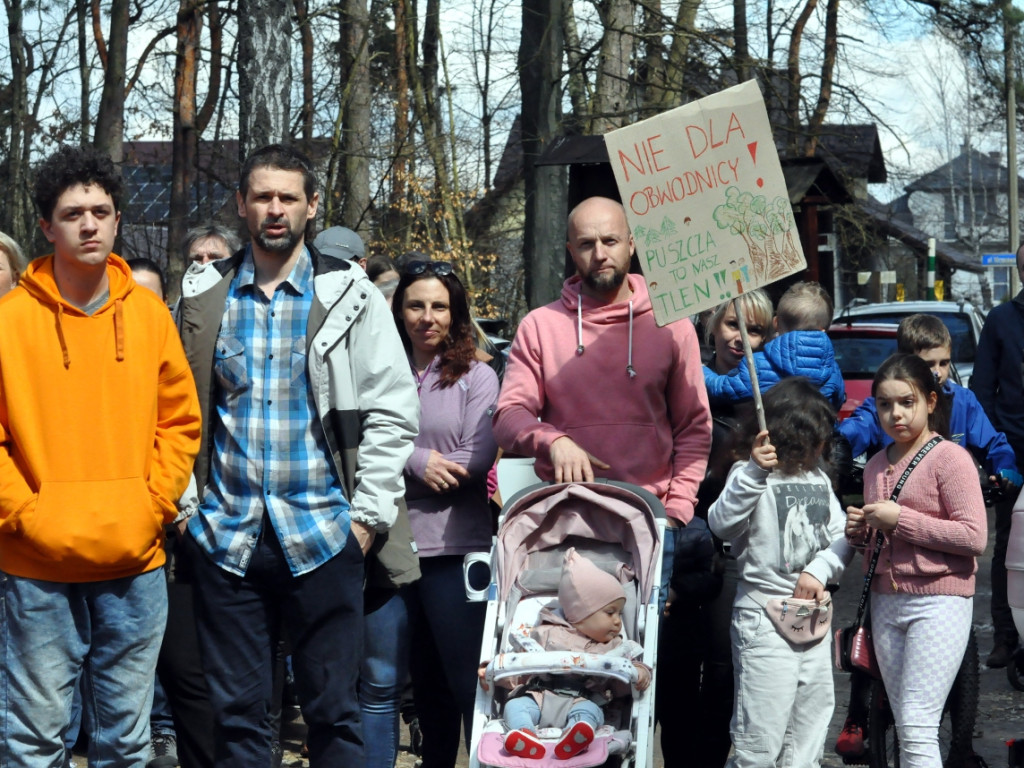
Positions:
(802, 348)
(927, 337)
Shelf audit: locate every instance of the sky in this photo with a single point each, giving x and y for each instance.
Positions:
(899, 69)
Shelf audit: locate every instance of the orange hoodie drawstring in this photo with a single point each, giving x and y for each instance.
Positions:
(60, 336)
(119, 328)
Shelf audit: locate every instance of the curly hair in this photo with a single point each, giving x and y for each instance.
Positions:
(799, 419)
(918, 374)
(458, 350)
(69, 166)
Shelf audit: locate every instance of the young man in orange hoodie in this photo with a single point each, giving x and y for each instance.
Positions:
(99, 428)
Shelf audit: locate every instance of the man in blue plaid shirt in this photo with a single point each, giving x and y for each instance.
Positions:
(310, 412)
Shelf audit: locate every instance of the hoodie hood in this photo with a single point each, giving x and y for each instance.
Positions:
(599, 313)
(40, 281)
(593, 312)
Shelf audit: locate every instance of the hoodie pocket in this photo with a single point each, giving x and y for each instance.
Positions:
(106, 523)
(229, 364)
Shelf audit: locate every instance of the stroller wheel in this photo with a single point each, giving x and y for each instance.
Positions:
(1015, 669)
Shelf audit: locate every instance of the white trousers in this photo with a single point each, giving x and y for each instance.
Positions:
(919, 642)
(784, 695)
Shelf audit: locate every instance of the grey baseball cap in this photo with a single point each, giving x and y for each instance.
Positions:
(341, 243)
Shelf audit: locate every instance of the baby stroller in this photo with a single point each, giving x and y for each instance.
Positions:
(612, 524)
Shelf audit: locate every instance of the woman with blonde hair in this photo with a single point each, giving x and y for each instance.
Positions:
(12, 263)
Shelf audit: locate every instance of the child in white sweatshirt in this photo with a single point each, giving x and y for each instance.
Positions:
(786, 528)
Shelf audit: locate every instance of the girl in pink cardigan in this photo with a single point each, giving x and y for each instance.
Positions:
(923, 589)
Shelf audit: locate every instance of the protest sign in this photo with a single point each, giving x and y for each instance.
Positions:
(707, 202)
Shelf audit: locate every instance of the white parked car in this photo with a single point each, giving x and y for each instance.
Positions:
(962, 319)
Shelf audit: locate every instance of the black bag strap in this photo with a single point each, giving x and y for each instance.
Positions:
(880, 539)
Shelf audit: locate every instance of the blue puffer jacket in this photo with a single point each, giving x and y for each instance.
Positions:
(797, 353)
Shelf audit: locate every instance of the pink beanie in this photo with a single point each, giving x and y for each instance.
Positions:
(585, 588)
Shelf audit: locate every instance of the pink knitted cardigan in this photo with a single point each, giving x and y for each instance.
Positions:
(942, 525)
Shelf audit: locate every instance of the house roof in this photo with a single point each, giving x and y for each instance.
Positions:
(804, 176)
(853, 150)
(969, 168)
(147, 176)
(808, 177)
(890, 223)
(575, 150)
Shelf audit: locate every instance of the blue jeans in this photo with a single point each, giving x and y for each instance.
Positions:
(160, 719)
(523, 712)
(383, 673)
(446, 634)
(239, 620)
(49, 633)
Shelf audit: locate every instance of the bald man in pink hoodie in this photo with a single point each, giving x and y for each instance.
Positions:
(594, 388)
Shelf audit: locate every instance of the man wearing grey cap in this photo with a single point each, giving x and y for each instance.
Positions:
(342, 243)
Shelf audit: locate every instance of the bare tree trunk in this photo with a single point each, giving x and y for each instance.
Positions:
(83, 69)
(355, 137)
(678, 54)
(794, 78)
(209, 107)
(306, 42)
(397, 220)
(184, 140)
(109, 134)
(540, 60)
(741, 52)
(264, 73)
(577, 79)
(428, 116)
(655, 58)
(828, 65)
(17, 209)
(611, 101)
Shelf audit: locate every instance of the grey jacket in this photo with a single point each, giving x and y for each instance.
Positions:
(362, 388)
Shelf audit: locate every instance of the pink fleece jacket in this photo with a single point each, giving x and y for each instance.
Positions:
(942, 525)
(627, 391)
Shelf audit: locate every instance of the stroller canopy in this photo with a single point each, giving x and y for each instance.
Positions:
(543, 517)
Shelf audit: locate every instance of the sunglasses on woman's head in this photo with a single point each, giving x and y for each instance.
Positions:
(436, 268)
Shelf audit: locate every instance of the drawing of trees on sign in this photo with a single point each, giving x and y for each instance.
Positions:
(766, 228)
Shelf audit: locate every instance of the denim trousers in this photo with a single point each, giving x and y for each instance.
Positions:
(239, 620)
(784, 696)
(52, 633)
(446, 634)
(383, 673)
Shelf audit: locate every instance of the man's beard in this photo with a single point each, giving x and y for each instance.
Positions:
(281, 244)
(605, 283)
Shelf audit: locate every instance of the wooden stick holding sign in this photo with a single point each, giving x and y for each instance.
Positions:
(748, 355)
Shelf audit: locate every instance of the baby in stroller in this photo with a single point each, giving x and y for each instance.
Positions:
(617, 528)
(588, 619)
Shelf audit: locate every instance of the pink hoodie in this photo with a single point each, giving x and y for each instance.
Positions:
(628, 392)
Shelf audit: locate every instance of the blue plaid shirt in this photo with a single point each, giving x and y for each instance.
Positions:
(270, 454)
